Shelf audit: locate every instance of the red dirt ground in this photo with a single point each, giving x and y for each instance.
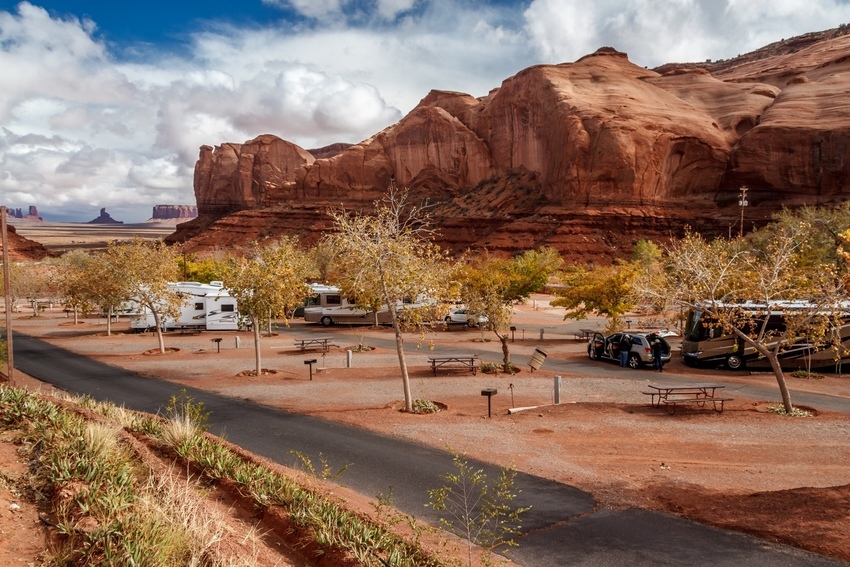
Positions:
(783, 479)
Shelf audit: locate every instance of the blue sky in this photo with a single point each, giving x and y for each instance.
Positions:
(105, 104)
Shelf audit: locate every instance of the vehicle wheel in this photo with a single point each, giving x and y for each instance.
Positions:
(326, 321)
(448, 320)
(634, 360)
(591, 352)
(734, 362)
(470, 323)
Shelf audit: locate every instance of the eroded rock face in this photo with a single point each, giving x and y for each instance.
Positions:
(587, 156)
(104, 218)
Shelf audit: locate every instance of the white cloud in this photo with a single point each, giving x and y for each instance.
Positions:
(83, 129)
(654, 32)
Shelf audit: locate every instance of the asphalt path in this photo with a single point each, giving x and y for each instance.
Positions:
(563, 527)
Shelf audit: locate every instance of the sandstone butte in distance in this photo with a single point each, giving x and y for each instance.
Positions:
(587, 157)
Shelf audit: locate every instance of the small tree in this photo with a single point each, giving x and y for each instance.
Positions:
(267, 283)
(605, 290)
(480, 509)
(141, 271)
(388, 255)
(76, 283)
(494, 285)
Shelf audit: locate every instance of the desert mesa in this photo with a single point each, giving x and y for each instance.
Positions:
(585, 157)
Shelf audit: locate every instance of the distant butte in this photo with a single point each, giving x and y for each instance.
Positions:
(104, 218)
(587, 157)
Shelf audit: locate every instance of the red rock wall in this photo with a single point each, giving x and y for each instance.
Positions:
(593, 154)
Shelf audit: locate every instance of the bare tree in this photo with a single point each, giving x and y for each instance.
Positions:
(389, 255)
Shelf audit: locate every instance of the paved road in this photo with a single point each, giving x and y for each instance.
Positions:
(562, 528)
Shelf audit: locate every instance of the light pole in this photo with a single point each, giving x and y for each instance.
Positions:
(742, 202)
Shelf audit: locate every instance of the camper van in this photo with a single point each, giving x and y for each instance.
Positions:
(326, 305)
(205, 306)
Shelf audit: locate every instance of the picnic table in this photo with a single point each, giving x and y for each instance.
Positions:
(314, 342)
(584, 334)
(469, 361)
(672, 394)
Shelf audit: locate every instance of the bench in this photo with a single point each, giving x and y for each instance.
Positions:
(469, 362)
(700, 401)
(319, 342)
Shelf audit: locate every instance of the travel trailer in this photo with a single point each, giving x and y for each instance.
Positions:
(205, 306)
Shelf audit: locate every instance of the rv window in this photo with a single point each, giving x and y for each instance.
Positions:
(333, 300)
(199, 307)
(227, 307)
(314, 300)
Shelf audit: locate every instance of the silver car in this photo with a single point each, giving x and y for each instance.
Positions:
(608, 348)
(463, 316)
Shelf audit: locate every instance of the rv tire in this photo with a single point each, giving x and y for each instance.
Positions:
(734, 362)
(326, 321)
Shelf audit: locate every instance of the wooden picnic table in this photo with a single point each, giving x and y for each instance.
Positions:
(672, 394)
(313, 342)
(469, 361)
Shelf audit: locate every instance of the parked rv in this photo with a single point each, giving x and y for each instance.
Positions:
(705, 344)
(328, 306)
(205, 306)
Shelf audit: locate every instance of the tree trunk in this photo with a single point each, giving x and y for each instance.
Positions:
(77, 317)
(773, 357)
(506, 355)
(158, 326)
(108, 322)
(255, 327)
(405, 377)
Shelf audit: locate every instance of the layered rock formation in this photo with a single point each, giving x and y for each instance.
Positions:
(104, 218)
(173, 213)
(32, 214)
(586, 157)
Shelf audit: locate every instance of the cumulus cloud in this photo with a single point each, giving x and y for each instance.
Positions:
(654, 32)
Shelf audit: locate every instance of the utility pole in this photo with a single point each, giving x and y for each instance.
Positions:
(742, 202)
(10, 363)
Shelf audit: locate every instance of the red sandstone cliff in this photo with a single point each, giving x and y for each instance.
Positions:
(586, 156)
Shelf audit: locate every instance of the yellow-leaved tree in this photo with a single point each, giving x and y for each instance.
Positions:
(268, 282)
(491, 286)
(387, 257)
(140, 271)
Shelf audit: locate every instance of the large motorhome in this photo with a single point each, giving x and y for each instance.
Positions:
(705, 343)
(326, 305)
(205, 306)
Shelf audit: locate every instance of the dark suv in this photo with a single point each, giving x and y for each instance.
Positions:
(608, 348)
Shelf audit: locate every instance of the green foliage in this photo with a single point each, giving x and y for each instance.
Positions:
(325, 473)
(183, 406)
(605, 290)
(646, 253)
(479, 509)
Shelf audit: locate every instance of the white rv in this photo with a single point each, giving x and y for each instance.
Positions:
(326, 305)
(205, 306)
